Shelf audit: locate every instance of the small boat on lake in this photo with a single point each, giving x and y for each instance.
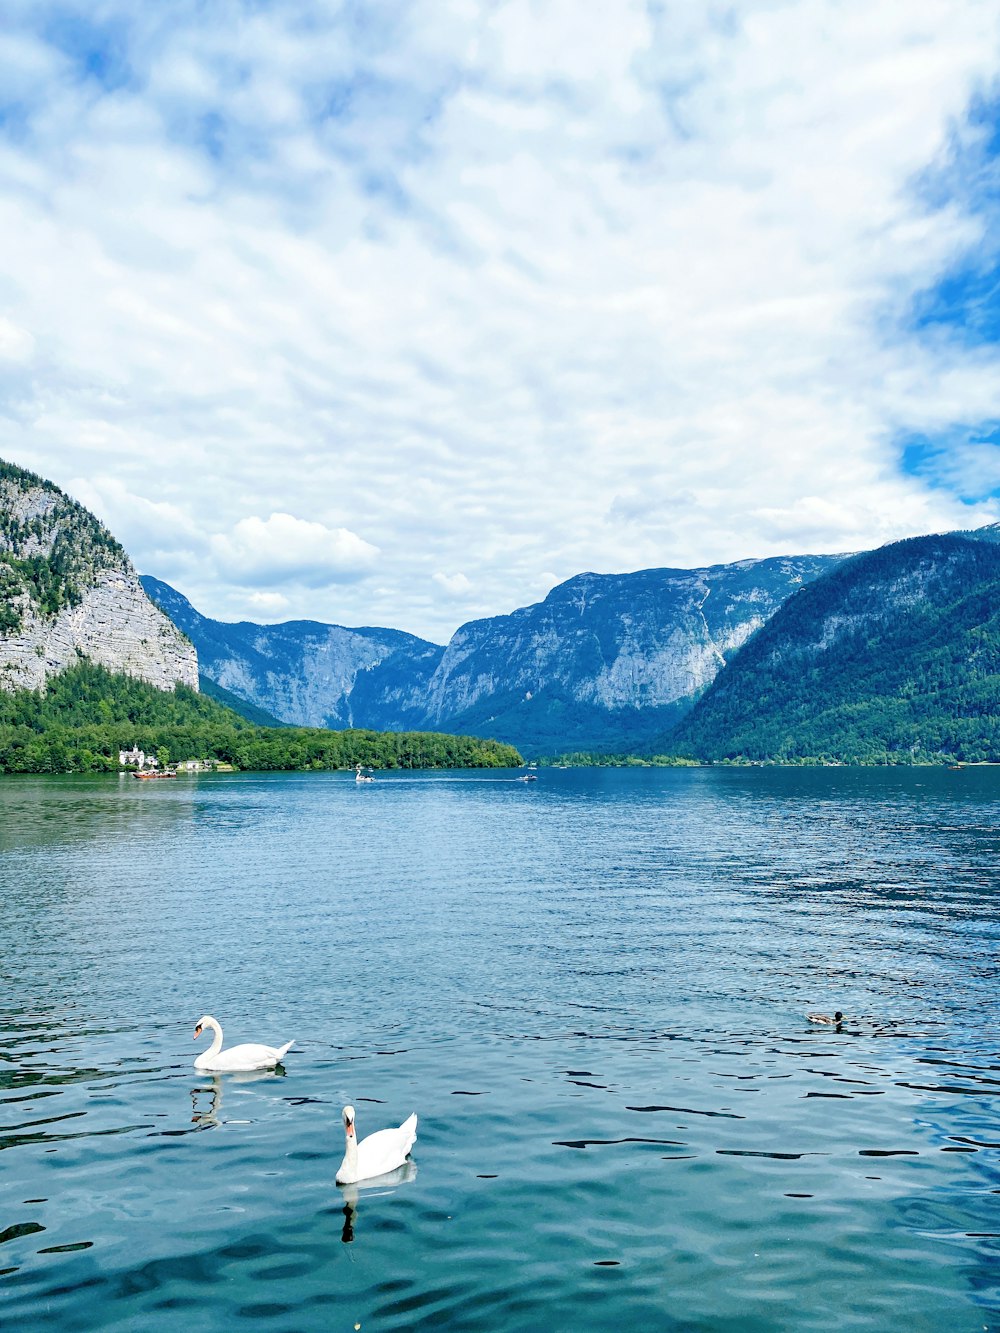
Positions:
(360, 776)
(146, 777)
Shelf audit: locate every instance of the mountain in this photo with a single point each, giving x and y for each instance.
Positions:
(249, 712)
(68, 593)
(892, 656)
(89, 665)
(604, 662)
(303, 672)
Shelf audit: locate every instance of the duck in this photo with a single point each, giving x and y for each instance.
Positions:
(377, 1154)
(251, 1055)
(838, 1018)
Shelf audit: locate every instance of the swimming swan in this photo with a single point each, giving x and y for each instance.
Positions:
(838, 1018)
(249, 1056)
(377, 1154)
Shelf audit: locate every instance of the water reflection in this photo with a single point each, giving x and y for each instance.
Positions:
(202, 1115)
(376, 1188)
(208, 1114)
(44, 813)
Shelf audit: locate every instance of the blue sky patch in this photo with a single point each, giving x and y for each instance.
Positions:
(966, 463)
(100, 50)
(965, 301)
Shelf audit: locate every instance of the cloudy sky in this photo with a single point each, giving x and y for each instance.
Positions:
(400, 313)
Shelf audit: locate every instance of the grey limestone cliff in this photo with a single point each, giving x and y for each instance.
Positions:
(606, 658)
(68, 593)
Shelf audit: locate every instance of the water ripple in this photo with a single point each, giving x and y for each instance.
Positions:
(622, 943)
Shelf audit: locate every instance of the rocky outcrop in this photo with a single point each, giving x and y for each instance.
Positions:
(114, 625)
(69, 593)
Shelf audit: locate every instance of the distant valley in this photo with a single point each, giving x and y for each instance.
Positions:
(606, 661)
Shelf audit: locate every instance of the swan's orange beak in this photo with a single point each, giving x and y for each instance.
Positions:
(197, 1033)
(350, 1129)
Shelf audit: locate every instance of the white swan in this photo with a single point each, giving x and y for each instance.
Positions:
(249, 1056)
(378, 1153)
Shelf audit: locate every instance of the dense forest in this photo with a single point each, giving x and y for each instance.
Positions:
(597, 759)
(85, 715)
(893, 658)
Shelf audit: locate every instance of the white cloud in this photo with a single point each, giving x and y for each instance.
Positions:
(456, 585)
(266, 605)
(16, 344)
(519, 289)
(283, 547)
(135, 520)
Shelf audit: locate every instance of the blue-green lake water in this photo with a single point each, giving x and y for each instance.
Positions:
(592, 989)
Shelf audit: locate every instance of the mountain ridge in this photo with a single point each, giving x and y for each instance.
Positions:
(302, 672)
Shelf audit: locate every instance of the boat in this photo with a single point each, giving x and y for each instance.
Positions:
(361, 777)
(528, 777)
(146, 777)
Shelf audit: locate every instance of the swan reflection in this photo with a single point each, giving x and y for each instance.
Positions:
(374, 1188)
(207, 1115)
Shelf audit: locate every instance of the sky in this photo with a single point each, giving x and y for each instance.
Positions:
(399, 314)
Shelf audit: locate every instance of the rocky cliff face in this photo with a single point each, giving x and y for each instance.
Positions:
(607, 659)
(68, 592)
(304, 672)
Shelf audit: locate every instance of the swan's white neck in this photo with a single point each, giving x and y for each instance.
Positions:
(351, 1153)
(216, 1045)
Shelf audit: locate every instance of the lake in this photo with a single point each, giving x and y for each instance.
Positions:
(592, 989)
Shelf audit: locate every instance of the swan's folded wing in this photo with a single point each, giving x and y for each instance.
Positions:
(408, 1132)
(385, 1149)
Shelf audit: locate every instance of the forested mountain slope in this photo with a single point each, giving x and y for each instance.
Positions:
(894, 656)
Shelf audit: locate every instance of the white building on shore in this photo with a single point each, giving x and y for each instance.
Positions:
(136, 758)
